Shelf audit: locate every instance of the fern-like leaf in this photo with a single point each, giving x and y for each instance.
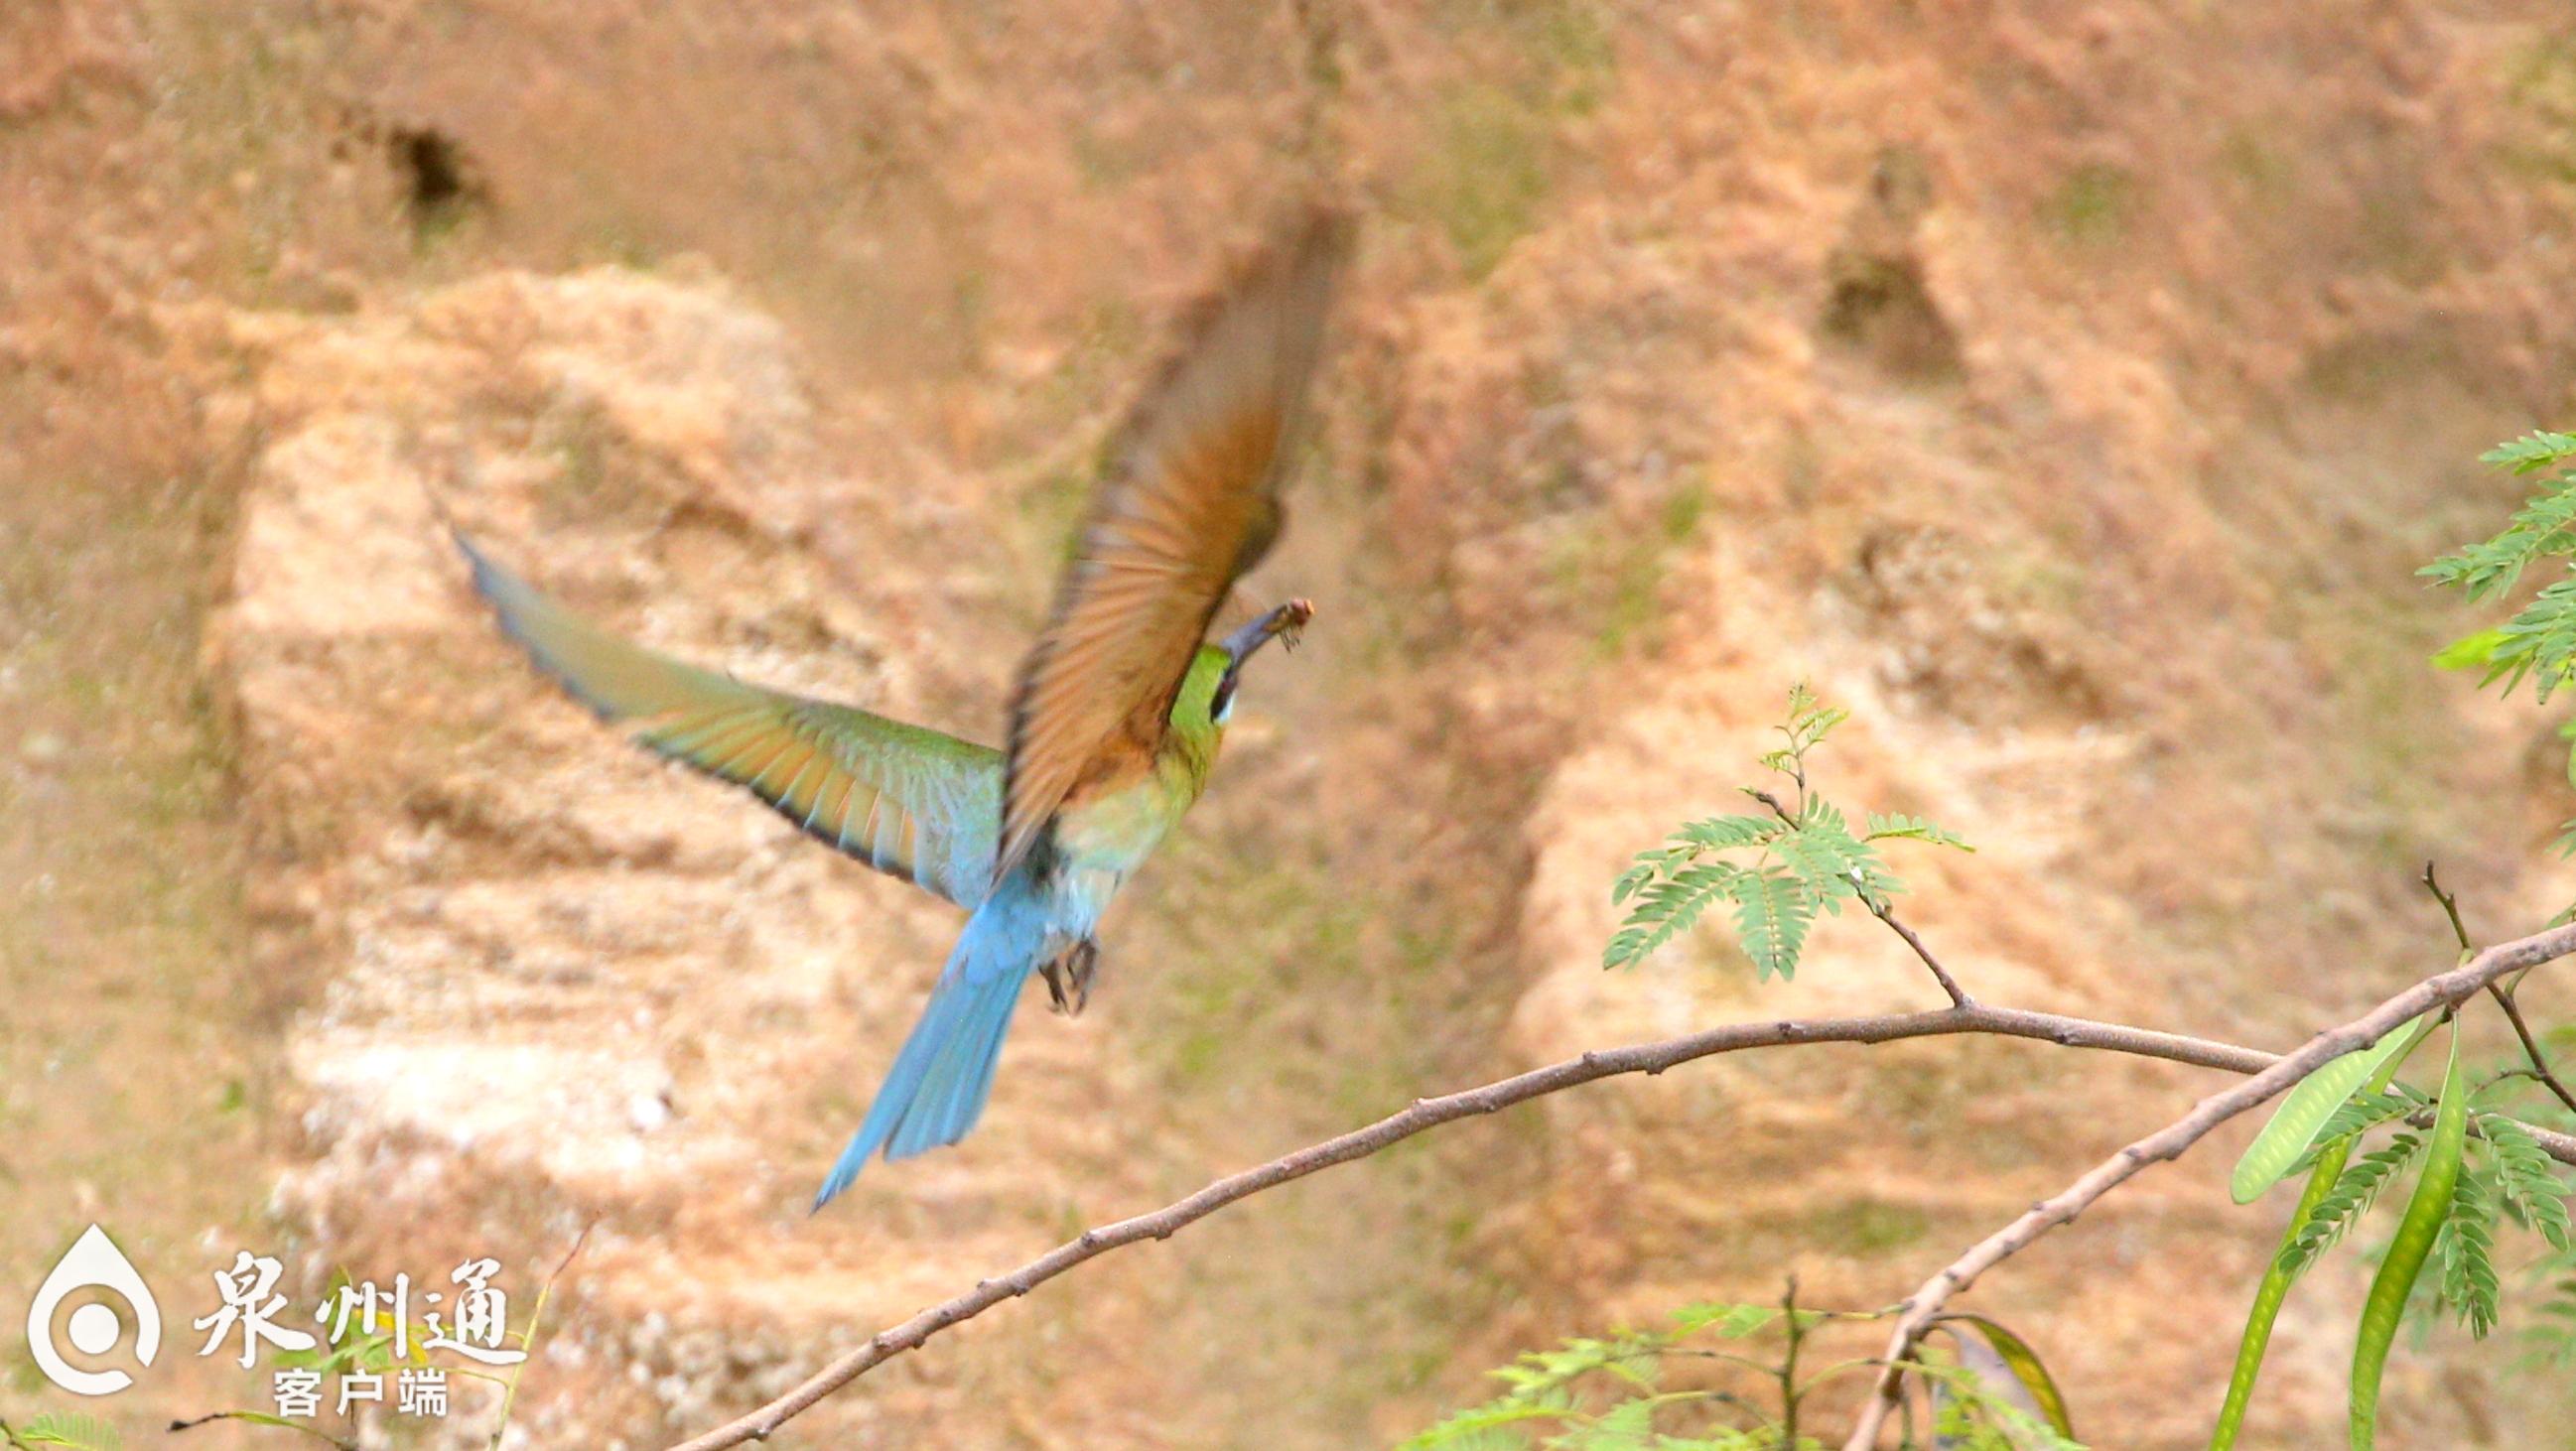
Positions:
(2465, 1250)
(1721, 833)
(73, 1430)
(2349, 1200)
(2526, 1180)
(1627, 1426)
(2540, 642)
(1901, 827)
(2358, 1115)
(1542, 1389)
(1725, 1321)
(2545, 525)
(1773, 911)
(1821, 864)
(2532, 452)
(1664, 909)
(1491, 1426)
(1780, 871)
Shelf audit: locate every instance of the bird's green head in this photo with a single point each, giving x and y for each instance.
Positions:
(1206, 701)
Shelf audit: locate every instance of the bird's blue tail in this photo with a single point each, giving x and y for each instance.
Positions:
(937, 1087)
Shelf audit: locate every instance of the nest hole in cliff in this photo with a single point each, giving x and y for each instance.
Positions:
(440, 182)
(1879, 308)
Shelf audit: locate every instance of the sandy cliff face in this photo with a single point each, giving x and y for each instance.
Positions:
(2069, 390)
(2004, 489)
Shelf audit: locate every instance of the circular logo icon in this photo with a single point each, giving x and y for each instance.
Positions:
(93, 1262)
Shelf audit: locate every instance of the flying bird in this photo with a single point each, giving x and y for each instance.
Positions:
(1115, 722)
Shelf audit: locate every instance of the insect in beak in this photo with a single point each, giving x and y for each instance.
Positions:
(1282, 624)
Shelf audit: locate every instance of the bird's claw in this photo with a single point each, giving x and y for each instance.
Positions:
(1068, 978)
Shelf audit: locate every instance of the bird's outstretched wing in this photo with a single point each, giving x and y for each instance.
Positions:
(911, 802)
(1190, 501)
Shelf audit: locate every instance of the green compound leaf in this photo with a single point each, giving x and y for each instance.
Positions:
(1718, 833)
(1901, 827)
(2363, 1112)
(73, 1430)
(1726, 1322)
(2349, 1200)
(2532, 452)
(2465, 1250)
(2527, 1179)
(1773, 911)
(1664, 909)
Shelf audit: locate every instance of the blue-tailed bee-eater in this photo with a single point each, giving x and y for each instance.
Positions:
(1114, 724)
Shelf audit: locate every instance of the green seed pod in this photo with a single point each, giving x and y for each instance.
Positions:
(2275, 1288)
(2395, 1281)
(2278, 1276)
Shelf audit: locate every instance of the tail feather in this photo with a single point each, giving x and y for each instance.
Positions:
(936, 1090)
(952, 1093)
(947, 1108)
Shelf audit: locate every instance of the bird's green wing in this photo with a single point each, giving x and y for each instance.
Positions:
(1191, 501)
(911, 802)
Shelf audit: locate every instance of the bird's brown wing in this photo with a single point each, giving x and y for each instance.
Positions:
(1190, 501)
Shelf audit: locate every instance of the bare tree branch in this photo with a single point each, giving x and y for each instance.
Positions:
(1648, 1058)
(2441, 991)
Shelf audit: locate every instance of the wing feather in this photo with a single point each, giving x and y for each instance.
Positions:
(1190, 502)
(933, 803)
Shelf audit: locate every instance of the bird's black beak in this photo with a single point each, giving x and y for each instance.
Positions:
(1282, 624)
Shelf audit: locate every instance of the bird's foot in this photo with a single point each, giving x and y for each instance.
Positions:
(1068, 977)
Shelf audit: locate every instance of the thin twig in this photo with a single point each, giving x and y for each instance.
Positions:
(528, 1340)
(1789, 1365)
(2540, 1068)
(1741, 1406)
(1778, 810)
(2450, 908)
(1428, 1113)
(255, 1418)
(1767, 1370)
(2502, 992)
(1958, 997)
(2444, 990)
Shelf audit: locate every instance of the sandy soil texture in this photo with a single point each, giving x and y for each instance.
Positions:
(2070, 390)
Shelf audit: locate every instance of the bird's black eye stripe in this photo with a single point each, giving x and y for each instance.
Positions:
(1224, 697)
